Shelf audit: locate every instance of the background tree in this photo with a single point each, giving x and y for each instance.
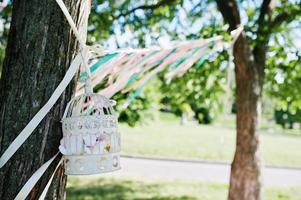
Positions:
(250, 52)
(39, 50)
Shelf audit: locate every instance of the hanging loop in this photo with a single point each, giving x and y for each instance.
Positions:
(85, 50)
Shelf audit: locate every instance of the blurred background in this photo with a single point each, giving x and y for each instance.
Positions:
(178, 138)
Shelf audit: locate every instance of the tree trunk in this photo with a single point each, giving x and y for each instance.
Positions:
(245, 181)
(39, 51)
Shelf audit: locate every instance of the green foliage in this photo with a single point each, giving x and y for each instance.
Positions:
(141, 107)
(286, 118)
(5, 18)
(201, 88)
(133, 106)
(284, 82)
(140, 17)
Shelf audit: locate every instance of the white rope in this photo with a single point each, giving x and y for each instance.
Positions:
(25, 133)
(23, 193)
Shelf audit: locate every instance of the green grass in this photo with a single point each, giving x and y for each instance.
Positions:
(166, 138)
(113, 188)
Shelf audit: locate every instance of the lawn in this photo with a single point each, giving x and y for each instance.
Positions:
(108, 187)
(164, 137)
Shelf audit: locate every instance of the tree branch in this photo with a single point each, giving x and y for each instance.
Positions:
(266, 25)
(286, 16)
(145, 7)
(264, 20)
(230, 12)
(264, 10)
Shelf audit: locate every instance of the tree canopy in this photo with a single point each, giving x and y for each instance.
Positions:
(131, 23)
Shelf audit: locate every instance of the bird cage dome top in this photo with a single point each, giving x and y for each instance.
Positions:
(89, 104)
(91, 142)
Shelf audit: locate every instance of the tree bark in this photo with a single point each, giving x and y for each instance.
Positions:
(39, 51)
(245, 180)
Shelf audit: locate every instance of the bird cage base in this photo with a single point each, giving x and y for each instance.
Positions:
(91, 164)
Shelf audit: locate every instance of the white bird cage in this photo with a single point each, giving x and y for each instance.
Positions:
(91, 141)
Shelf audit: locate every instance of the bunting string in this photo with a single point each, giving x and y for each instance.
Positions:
(130, 69)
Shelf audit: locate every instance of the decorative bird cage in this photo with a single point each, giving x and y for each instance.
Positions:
(91, 142)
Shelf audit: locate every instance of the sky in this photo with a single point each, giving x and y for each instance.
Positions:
(186, 28)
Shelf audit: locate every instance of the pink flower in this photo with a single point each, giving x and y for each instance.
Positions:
(100, 138)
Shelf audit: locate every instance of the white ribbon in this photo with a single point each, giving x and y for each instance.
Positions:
(85, 48)
(23, 193)
(25, 133)
(71, 23)
(43, 195)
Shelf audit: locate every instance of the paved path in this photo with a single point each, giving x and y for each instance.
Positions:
(200, 171)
